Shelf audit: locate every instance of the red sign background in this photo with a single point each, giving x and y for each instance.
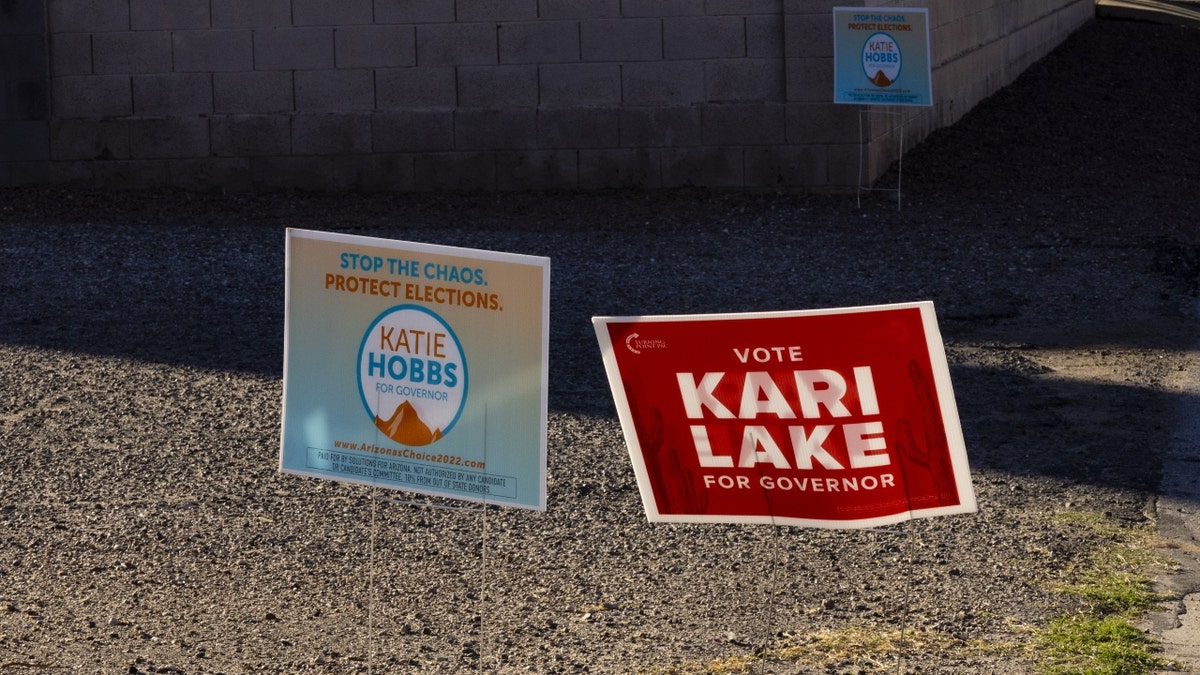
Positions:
(831, 418)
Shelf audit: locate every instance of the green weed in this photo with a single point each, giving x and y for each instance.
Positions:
(1110, 583)
(1114, 591)
(1088, 645)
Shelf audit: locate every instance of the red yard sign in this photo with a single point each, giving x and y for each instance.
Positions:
(826, 418)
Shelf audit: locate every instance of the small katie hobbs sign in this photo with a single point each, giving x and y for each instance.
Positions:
(826, 418)
(881, 56)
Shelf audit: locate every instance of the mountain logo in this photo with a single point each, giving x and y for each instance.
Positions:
(412, 375)
(881, 60)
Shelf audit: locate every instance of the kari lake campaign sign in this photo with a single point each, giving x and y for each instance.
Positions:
(835, 418)
(416, 367)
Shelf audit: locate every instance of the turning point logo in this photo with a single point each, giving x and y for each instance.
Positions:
(635, 343)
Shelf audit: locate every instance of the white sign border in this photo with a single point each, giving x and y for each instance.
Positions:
(433, 249)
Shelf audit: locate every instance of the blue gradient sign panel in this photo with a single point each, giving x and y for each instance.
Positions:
(881, 56)
(416, 367)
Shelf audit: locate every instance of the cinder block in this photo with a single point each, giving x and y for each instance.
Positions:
(180, 94)
(205, 51)
(640, 169)
(823, 7)
(375, 46)
(415, 88)
(70, 54)
(414, 11)
(250, 135)
(743, 7)
(129, 174)
(313, 174)
(24, 173)
(498, 86)
(991, 22)
(578, 128)
(537, 170)
(786, 167)
(494, 129)
(744, 80)
(23, 17)
(662, 8)
(293, 49)
(87, 139)
(800, 75)
(160, 58)
(22, 57)
(24, 100)
(621, 40)
(821, 123)
(578, 9)
(744, 124)
(496, 10)
(260, 91)
(944, 43)
(169, 14)
(1073, 15)
(703, 167)
(91, 96)
(130, 52)
(27, 141)
(168, 137)
(325, 13)
(331, 134)
(256, 14)
(456, 44)
(842, 168)
(335, 90)
(78, 173)
(457, 171)
(207, 173)
(875, 159)
(764, 37)
(665, 83)
(580, 84)
(415, 131)
(808, 35)
(87, 16)
(374, 173)
(661, 127)
(718, 37)
(539, 42)
(943, 11)
(879, 122)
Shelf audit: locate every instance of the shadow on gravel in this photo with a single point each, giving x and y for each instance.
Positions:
(1078, 432)
(211, 298)
(196, 296)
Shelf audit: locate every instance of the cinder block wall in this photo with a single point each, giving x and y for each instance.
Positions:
(24, 88)
(475, 94)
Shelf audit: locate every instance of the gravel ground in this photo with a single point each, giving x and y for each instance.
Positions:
(144, 527)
